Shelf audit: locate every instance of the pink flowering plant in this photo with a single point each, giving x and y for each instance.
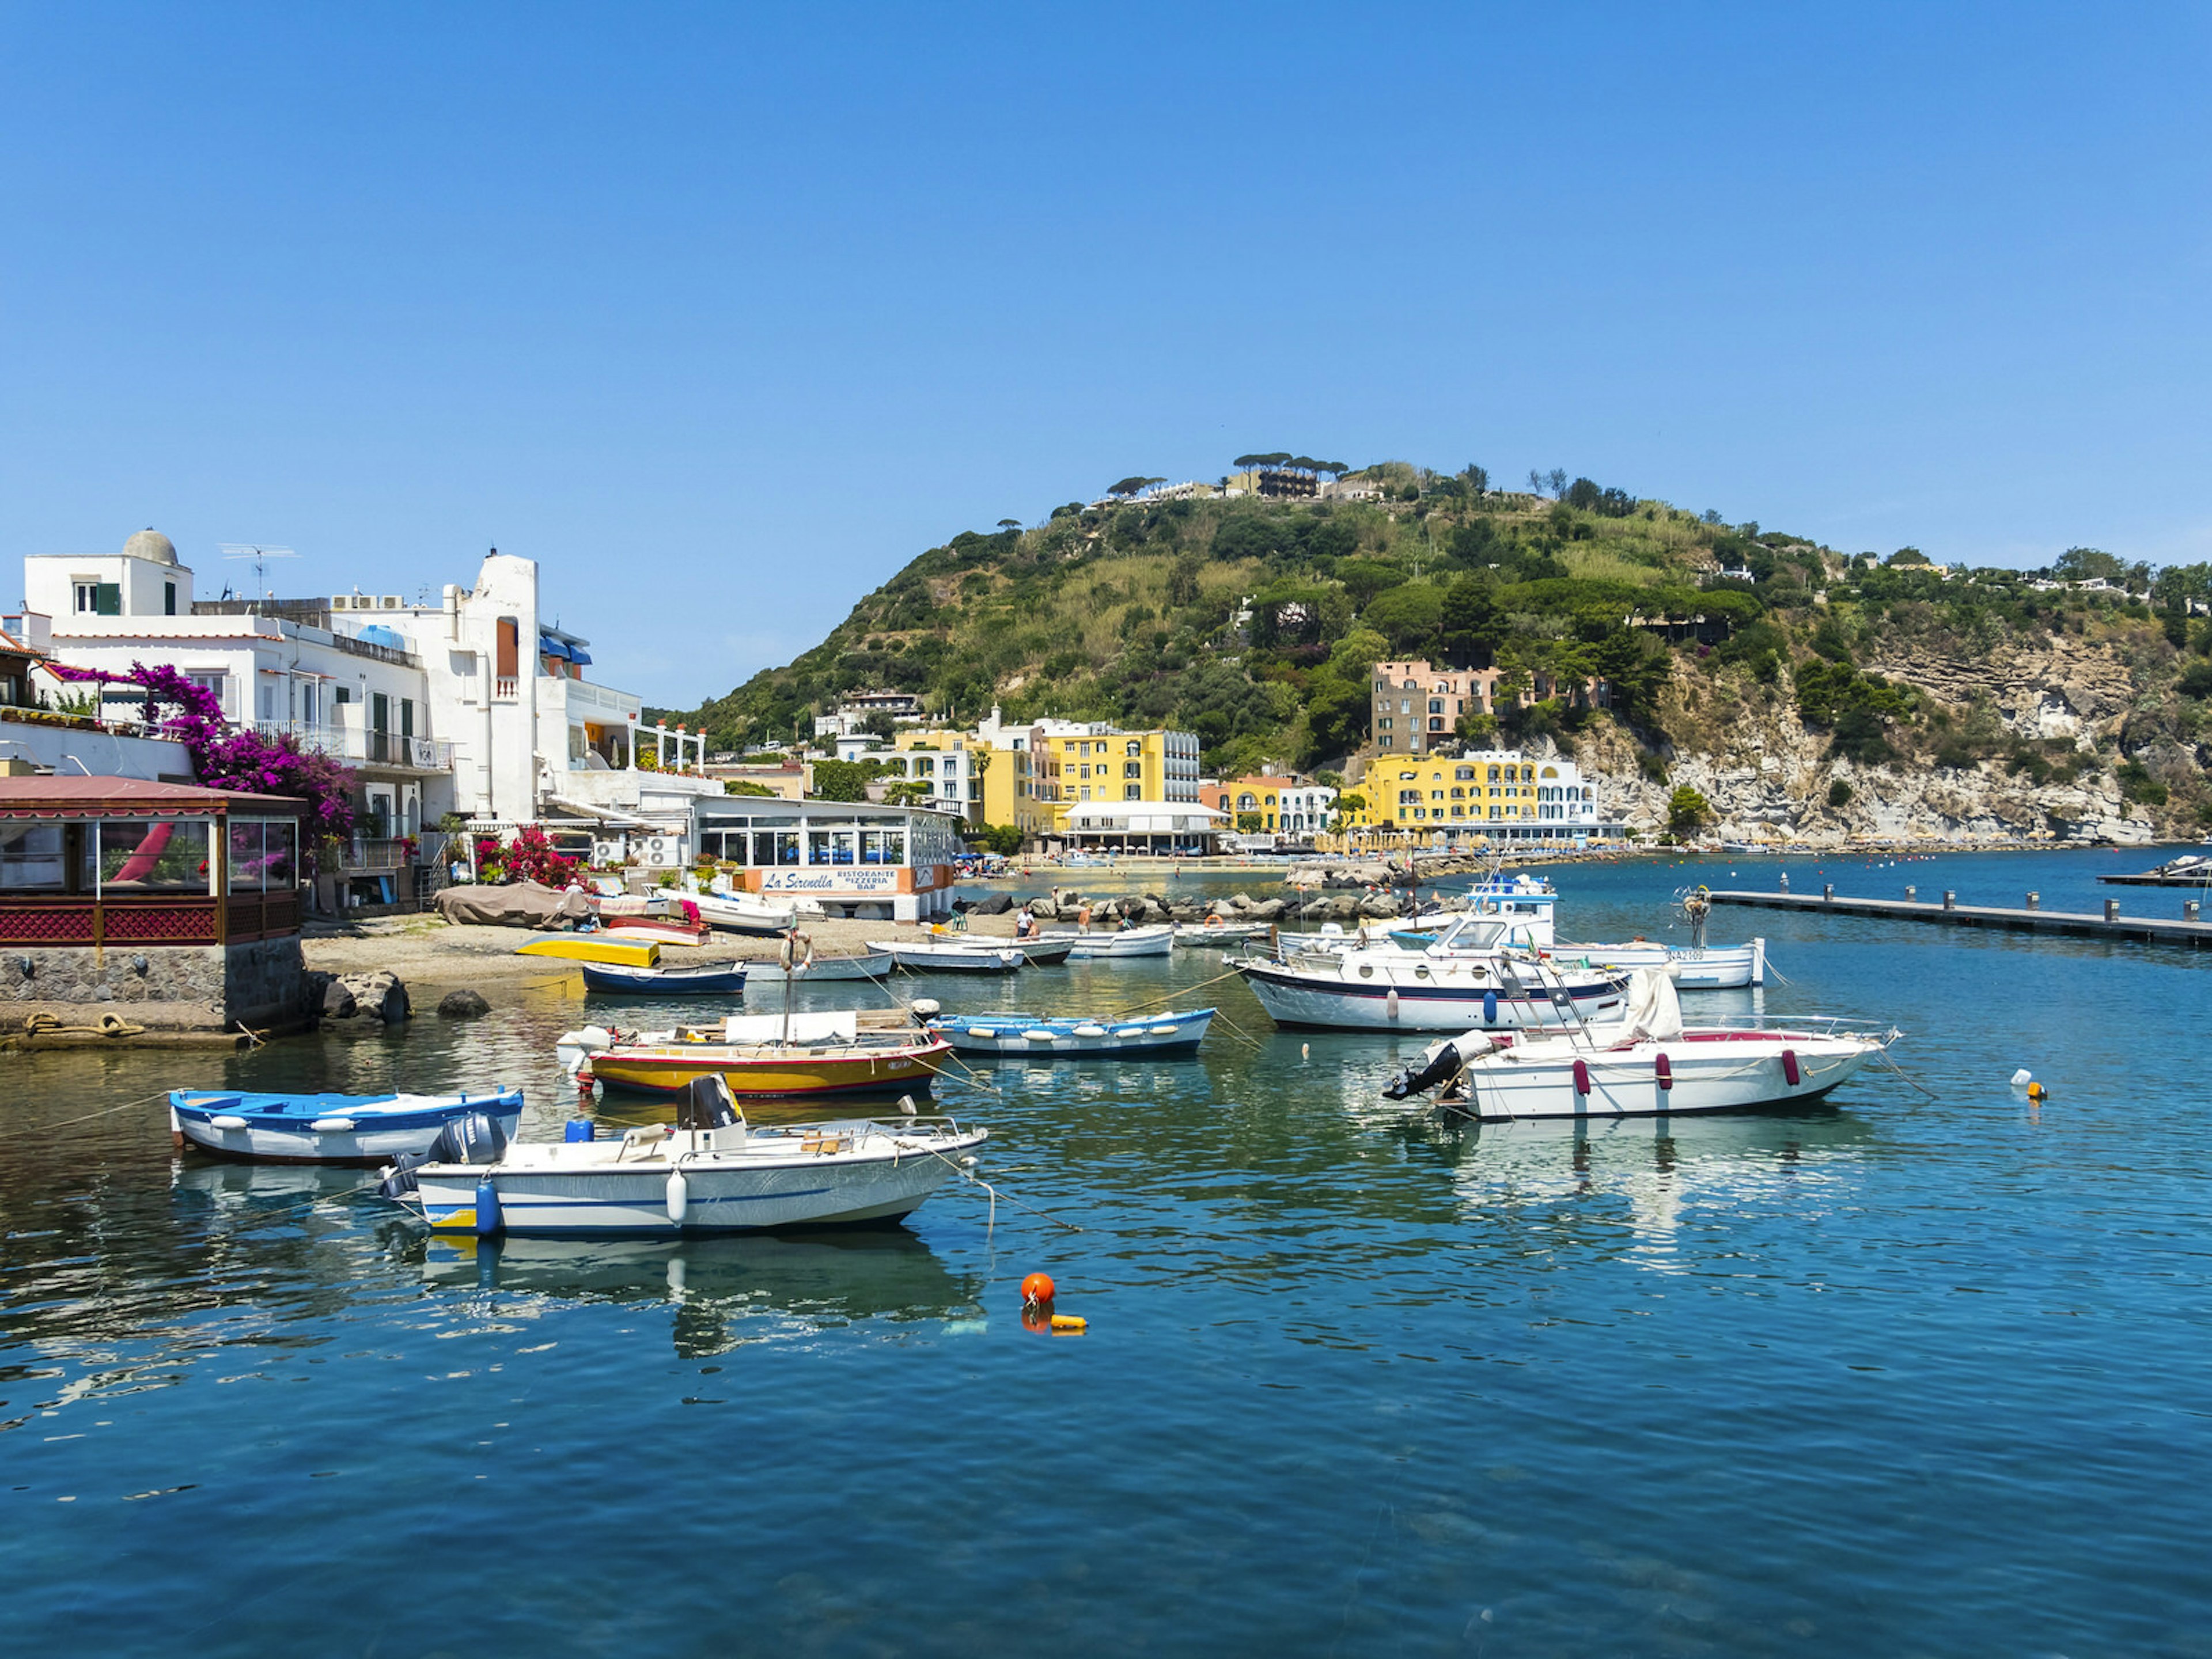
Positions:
(238, 757)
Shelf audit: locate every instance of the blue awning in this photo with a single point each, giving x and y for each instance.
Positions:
(549, 646)
(578, 655)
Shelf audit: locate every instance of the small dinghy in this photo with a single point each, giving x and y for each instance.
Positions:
(748, 913)
(867, 964)
(1036, 1034)
(594, 947)
(655, 930)
(328, 1129)
(762, 1054)
(1158, 941)
(945, 956)
(1203, 934)
(707, 979)
(712, 1173)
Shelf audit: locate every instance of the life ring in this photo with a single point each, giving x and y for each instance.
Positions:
(1213, 922)
(796, 953)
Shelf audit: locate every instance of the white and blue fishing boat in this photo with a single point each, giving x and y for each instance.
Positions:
(707, 979)
(304, 1129)
(1035, 1033)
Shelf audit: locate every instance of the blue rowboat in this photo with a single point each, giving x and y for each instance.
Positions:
(707, 979)
(1034, 1034)
(367, 1129)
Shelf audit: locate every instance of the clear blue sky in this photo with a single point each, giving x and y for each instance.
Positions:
(723, 314)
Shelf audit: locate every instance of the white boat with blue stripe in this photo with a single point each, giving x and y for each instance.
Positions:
(1037, 1034)
(305, 1128)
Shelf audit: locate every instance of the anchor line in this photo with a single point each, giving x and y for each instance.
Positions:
(970, 1176)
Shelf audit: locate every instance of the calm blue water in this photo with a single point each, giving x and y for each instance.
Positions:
(1921, 1373)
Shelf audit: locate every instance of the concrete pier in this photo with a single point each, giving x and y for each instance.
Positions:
(2197, 935)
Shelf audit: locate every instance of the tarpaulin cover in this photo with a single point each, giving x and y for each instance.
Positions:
(521, 904)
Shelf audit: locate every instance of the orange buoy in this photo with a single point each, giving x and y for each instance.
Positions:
(1037, 1290)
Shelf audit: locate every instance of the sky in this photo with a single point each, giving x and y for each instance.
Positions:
(723, 314)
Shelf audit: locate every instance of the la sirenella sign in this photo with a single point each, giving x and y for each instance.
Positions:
(849, 880)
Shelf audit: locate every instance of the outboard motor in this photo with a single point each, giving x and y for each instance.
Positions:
(1443, 1066)
(706, 1104)
(399, 1181)
(925, 1009)
(471, 1137)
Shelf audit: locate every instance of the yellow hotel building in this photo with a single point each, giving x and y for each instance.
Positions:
(1498, 794)
(1038, 771)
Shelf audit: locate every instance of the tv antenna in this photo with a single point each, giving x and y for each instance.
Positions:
(260, 556)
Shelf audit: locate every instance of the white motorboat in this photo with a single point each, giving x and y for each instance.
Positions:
(1691, 967)
(1389, 988)
(866, 964)
(1643, 1064)
(940, 956)
(1158, 941)
(712, 1173)
(749, 913)
(363, 1129)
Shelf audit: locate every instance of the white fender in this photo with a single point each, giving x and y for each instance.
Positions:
(679, 1197)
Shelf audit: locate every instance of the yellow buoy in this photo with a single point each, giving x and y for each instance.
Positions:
(1068, 1322)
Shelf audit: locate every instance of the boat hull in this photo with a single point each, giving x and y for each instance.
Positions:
(548, 1204)
(729, 981)
(952, 959)
(988, 1033)
(1157, 941)
(668, 1070)
(577, 947)
(1722, 1074)
(1407, 1005)
(267, 1137)
(873, 965)
(1692, 968)
(750, 915)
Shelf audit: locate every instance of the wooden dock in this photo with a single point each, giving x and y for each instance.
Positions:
(2196, 935)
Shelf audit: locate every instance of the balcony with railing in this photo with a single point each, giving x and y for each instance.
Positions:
(365, 748)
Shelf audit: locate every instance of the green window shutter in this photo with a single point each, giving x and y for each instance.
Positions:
(109, 603)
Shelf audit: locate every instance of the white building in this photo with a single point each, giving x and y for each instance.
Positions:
(476, 704)
(1142, 826)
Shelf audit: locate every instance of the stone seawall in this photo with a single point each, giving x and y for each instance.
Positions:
(166, 987)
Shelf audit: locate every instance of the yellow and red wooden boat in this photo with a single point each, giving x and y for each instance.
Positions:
(826, 1053)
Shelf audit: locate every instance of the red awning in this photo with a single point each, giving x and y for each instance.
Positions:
(58, 797)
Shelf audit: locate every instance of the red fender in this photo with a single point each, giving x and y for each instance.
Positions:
(1581, 1079)
(1790, 1066)
(1663, 1071)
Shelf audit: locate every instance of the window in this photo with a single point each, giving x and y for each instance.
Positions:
(1133, 792)
(1436, 794)
(1132, 769)
(95, 597)
(1135, 748)
(508, 655)
(1385, 724)
(31, 857)
(1388, 742)
(168, 599)
(1465, 773)
(1406, 796)
(1436, 706)
(407, 717)
(1458, 793)
(1436, 723)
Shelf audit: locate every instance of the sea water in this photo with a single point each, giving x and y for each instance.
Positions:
(1922, 1371)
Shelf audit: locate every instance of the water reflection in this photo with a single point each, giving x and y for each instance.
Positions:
(1655, 1176)
(724, 1293)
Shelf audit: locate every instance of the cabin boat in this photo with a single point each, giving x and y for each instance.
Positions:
(760, 1055)
(711, 1173)
(1039, 1035)
(311, 1128)
(1644, 1063)
(1466, 977)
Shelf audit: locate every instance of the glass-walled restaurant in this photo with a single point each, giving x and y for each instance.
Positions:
(122, 860)
(853, 857)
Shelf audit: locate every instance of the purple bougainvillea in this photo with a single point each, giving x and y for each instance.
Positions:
(227, 756)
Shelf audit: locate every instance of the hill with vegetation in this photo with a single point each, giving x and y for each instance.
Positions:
(1775, 679)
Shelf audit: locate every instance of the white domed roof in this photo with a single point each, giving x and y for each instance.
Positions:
(150, 544)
